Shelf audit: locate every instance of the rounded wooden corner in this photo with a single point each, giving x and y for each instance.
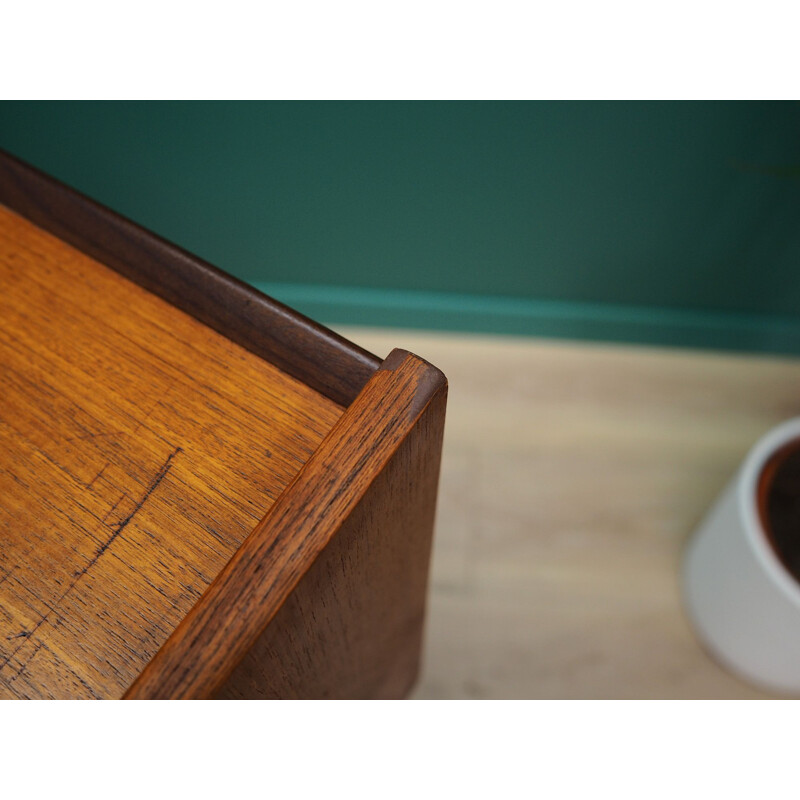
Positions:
(244, 598)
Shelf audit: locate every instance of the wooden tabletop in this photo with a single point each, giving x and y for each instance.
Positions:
(572, 476)
(138, 448)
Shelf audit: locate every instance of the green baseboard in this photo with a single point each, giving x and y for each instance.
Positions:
(335, 305)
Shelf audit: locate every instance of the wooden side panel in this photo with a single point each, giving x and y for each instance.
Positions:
(375, 473)
(353, 626)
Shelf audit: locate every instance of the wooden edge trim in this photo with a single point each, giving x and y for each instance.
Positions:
(238, 605)
(300, 347)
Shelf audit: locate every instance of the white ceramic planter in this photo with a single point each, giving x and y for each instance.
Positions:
(743, 602)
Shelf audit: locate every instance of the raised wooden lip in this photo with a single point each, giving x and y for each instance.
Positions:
(302, 348)
(383, 402)
(244, 597)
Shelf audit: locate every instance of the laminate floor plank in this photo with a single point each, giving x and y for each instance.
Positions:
(572, 476)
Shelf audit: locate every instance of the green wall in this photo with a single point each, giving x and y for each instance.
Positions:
(675, 223)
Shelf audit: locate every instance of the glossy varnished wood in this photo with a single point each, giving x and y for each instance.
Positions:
(353, 626)
(138, 449)
(300, 347)
(326, 597)
(138, 464)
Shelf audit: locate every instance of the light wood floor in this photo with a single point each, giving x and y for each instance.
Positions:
(572, 476)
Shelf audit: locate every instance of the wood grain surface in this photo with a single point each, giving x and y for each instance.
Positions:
(352, 628)
(267, 568)
(138, 448)
(302, 348)
(573, 474)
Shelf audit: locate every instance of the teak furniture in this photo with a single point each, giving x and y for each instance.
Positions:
(202, 493)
